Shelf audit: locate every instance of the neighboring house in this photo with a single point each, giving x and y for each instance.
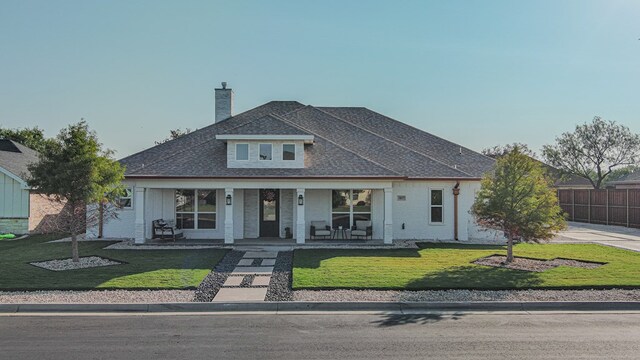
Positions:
(574, 182)
(284, 165)
(629, 181)
(21, 210)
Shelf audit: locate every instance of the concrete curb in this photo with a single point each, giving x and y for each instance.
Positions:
(315, 307)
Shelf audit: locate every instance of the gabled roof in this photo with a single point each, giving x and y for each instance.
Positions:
(15, 157)
(348, 142)
(631, 178)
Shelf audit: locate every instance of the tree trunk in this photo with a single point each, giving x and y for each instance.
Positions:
(74, 247)
(509, 249)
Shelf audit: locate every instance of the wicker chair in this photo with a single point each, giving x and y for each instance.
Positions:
(320, 228)
(161, 228)
(362, 229)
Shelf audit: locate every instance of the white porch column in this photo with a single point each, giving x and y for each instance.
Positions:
(138, 203)
(300, 223)
(228, 217)
(388, 215)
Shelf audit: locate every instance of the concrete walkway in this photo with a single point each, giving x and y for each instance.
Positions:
(249, 280)
(616, 236)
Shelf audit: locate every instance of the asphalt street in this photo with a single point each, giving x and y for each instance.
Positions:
(327, 336)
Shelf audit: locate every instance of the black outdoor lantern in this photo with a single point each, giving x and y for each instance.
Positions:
(300, 200)
(229, 199)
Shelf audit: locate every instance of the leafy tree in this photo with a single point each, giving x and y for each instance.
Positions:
(30, 137)
(517, 199)
(594, 150)
(174, 134)
(74, 169)
(502, 150)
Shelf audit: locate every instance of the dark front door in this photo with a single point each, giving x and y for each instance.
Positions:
(269, 213)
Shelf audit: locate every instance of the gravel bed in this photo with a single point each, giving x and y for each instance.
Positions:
(95, 296)
(280, 286)
(209, 287)
(68, 264)
(468, 295)
(130, 245)
(533, 265)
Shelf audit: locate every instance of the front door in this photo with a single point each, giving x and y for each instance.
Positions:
(269, 213)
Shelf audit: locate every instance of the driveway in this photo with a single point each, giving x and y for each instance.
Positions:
(617, 236)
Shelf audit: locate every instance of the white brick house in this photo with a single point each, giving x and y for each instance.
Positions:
(284, 165)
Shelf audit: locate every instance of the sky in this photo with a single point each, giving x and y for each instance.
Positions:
(478, 73)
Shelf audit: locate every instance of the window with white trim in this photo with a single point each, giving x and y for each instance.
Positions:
(125, 200)
(349, 206)
(242, 151)
(436, 206)
(195, 209)
(288, 151)
(266, 152)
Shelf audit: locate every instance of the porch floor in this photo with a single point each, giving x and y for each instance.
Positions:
(265, 241)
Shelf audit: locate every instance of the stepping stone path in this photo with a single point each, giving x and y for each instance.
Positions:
(250, 279)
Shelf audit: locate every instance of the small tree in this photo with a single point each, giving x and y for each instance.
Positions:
(174, 134)
(75, 170)
(502, 150)
(517, 199)
(30, 137)
(594, 150)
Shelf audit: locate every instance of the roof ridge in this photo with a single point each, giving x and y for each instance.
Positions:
(395, 142)
(336, 144)
(271, 115)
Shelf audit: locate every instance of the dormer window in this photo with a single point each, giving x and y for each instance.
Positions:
(266, 152)
(242, 152)
(288, 151)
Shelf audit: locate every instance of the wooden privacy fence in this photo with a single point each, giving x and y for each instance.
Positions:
(607, 206)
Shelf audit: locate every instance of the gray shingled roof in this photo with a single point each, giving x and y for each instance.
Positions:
(16, 157)
(349, 142)
(633, 177)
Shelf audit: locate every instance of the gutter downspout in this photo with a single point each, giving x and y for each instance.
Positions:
(456, 192)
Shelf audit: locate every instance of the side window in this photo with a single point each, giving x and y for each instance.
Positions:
(242, 151)
(125, 201)
(436, 206)
(288, 151)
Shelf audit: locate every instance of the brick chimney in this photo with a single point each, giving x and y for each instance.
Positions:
(224, 103)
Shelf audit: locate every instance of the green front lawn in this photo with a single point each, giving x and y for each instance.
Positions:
(143, 269)
(449, 266)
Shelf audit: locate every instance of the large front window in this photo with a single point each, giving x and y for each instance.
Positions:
(349, 206)
(195, 209)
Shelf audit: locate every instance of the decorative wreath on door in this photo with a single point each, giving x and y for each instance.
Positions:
(269, 194)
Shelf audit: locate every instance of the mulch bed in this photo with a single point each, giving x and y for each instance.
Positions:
(535, 265)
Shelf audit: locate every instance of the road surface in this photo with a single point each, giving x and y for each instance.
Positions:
(461, 336)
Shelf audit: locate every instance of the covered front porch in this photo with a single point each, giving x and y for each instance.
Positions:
(263, 212)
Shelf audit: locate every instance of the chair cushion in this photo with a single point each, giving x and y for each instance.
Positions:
(323, 232)
(319, 224)
(358, 233)
(362, 224)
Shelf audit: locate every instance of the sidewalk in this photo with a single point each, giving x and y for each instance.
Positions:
(616, 236)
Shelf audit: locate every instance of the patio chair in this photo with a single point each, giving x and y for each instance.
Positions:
(362, 229)
(320, 228)
(161, 229)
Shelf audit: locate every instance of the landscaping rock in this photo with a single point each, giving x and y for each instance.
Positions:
(280, 285)
(209, 287)
(68, 264)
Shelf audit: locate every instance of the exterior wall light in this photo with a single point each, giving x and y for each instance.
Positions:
(228, 199)
(300, 200)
